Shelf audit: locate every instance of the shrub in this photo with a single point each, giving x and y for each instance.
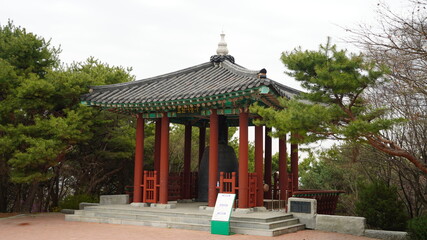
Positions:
(72, 202)
(380, 205)
(417, 228)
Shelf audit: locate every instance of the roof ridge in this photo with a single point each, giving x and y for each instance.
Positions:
(290, 89)
(156, 78)
(239, 69)
(235, 68)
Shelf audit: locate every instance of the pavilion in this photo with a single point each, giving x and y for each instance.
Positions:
(214, 95)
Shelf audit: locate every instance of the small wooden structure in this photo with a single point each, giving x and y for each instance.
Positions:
(199, 96)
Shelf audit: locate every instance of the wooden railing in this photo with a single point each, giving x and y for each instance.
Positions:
(150, 187)
(175, 182)
(194, 184)
(228, 184)
(326, 199)
(252, 190)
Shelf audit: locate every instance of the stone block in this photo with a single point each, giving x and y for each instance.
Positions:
(302, 206)
(163, 206)
(386, 235)
(139, 204)
(206, 208)
(244, 210)
(341, 224)
(260, 209)
(114, 199)
(67, 211)
(82, 205)
(305, 209)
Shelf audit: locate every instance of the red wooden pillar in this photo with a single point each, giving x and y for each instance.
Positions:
(139, 159)
(213, 158)
(164, 159)
(187, 161)
(157, 145)
(202, 142)
(259, 165)
(294, 164)
(267, 163)
(283, 169)
(243, 160)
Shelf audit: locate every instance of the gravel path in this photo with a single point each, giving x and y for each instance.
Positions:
(51, 226)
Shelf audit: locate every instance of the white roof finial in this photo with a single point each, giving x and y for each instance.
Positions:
(222, 46)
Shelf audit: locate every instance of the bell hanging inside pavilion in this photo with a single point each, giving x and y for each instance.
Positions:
(227, 160)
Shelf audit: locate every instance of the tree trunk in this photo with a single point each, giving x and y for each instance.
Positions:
(32, 192)
(94, 183)
(4, 188)
(17, 206)
(52, 199)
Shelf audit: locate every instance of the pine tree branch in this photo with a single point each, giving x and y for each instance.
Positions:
(381, 144)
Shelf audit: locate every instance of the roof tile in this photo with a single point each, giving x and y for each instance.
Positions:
(203, 80)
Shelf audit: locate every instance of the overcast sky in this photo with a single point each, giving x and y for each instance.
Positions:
(160, 36)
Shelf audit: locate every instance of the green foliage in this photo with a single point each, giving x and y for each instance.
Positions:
(41, 119)
(333, 169)
(380, 205)
(103, 163)
(234, 143)
(73, 201)
(329, 170)
(27, 52)
(417, 228)
(333, 106)
(46, 135)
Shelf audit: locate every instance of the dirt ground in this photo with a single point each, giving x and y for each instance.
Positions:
(52, 226)
(4, 215)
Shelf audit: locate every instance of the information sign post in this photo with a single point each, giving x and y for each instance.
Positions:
(220, 223)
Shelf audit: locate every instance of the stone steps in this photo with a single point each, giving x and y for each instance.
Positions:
(270, 225)
(138, 222)
(268, 232)
(252, 224)
(263, 219)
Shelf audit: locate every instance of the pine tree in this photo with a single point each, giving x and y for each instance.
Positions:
(333, 106)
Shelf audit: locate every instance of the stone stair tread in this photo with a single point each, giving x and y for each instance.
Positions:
(139, 220)
(265, 223)
(153, 213)
(267, 232)
(262, 220)
(146, 213)
(138, 216)
(154, 219)
(274, 229)
(290, 226)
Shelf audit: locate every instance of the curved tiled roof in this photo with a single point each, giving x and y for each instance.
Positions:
(200, 81)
